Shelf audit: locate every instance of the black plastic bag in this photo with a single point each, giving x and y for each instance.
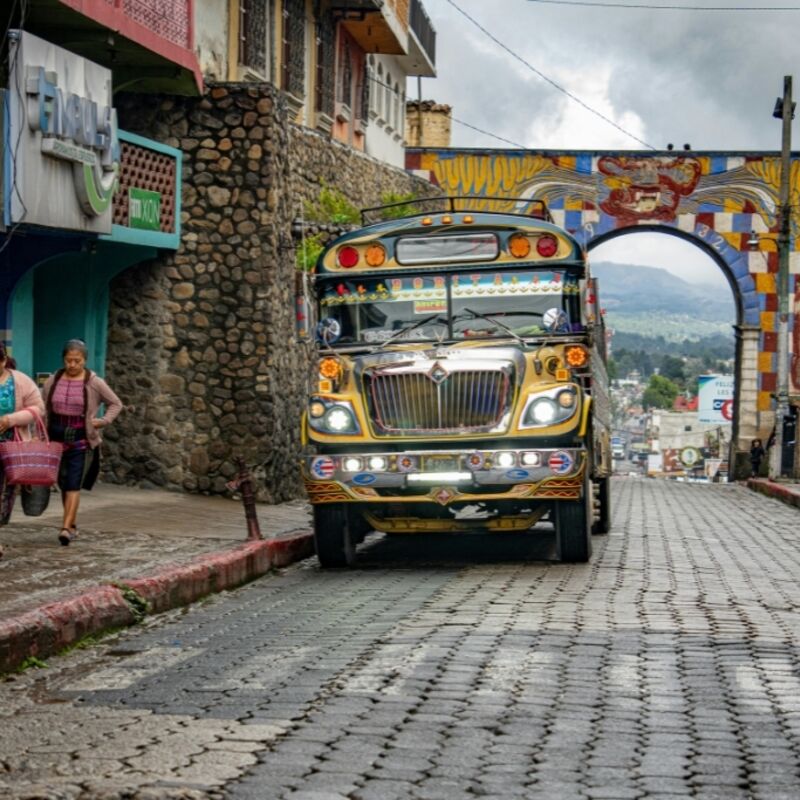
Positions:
(35, 500)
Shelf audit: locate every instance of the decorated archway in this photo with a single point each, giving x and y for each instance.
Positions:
(718, 201)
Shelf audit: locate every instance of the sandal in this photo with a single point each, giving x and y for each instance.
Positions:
(65, 536)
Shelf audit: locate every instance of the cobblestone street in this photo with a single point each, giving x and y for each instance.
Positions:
(665, 668)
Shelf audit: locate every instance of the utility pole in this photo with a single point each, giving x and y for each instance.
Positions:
(784, 110)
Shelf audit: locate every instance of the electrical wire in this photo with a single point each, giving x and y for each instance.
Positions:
(594, 4)
(549, 80)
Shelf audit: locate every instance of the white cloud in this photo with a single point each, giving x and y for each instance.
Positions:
(662, 250)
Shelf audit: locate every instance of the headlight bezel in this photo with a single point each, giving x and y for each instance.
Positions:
(322, 424)
(553, 400)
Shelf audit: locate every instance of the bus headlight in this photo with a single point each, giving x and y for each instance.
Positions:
(339, 420)
(550, 407)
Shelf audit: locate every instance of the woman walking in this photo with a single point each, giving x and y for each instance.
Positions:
(72, 398)
(20, 400)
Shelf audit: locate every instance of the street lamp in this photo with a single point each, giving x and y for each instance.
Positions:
(784, 110)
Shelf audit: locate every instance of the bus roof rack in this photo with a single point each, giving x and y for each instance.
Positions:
(476, 203)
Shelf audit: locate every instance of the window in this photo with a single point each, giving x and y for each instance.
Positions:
(253, 34)
(387, 99)
(293, 47)
(325, 39)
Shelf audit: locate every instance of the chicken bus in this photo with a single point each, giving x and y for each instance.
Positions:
(459, 382)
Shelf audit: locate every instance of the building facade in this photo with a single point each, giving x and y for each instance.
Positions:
(156, 158)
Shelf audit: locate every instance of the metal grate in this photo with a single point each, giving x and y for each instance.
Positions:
(143, 168)
(414, 402)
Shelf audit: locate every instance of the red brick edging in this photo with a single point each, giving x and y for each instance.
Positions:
(53, 627)
(776, 490)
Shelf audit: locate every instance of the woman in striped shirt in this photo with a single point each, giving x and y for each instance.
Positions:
(73, 397)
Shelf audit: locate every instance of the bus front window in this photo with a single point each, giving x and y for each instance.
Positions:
(490, 304)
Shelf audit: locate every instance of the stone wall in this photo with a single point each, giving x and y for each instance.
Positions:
(201, 341)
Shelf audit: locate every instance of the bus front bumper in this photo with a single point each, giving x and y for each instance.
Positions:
(445, 477)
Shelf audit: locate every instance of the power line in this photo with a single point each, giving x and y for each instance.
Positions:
(454, 119)
(550, 80)
(663, 7)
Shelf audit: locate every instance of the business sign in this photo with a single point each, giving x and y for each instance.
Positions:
(144, 209)
(63, 142)
(715, 399)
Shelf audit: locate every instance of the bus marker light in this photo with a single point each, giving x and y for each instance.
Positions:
(330, 368)
(446, 219)
(519, 245)
(547, 246)
(427, 221)
(347, 257)
(468, 219)
(325, 386)
(375, 255)
(576, 356)
(562, 374)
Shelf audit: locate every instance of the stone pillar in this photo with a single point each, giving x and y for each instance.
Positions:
(748, 423)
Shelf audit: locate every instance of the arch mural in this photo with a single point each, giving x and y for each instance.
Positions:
(715, 200)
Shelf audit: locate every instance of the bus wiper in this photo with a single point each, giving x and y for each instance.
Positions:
(408, 328)
(491, 318)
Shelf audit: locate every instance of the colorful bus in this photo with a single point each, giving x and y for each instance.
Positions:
(459, 382)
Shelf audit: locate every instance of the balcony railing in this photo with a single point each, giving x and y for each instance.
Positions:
(169, 19)
(421, 26)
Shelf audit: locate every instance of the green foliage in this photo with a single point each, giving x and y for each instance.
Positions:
(31, 662)
(308, 251)
(406, 210)
(139, 607)
(331, 206)
(613, 371)
(660, 392)
(673, 368)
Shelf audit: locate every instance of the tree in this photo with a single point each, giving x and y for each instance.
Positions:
(660, 392)
(673, 368)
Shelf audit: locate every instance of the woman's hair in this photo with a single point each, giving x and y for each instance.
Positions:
(4, 356)
(75, 344)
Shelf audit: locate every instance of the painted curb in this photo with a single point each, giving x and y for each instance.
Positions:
(53, 627)
(775, 490)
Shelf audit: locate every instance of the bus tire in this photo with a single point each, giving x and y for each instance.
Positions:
(333, 536)
(573, 524)
(603, 522)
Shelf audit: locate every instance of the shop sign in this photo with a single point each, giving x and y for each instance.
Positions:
(63, 135)
(144, 209)
(715, 399)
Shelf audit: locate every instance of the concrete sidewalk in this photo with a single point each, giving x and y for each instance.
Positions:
(135, 547)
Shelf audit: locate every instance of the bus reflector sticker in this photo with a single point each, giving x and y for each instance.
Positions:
(560, 462)
(323, 467)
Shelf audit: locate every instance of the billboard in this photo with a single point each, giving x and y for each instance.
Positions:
(63, 142)
(715, 399)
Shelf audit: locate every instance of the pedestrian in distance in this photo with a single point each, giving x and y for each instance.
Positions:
(73, 397)
(20, 401)
(756, 456)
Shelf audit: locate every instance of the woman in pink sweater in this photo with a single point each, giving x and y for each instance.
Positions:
(19, 401)
(73, 397)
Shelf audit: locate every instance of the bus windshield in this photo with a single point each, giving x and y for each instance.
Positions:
(454, 307)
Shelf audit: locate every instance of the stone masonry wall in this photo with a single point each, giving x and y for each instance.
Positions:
(201, 341)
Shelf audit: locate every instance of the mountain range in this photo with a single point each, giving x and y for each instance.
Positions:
(652, 301)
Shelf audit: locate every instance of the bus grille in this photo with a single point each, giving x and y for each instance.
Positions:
(420, 402)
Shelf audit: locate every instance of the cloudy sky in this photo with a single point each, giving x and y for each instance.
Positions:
(707, 78)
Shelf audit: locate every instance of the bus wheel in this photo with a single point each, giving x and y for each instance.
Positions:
(573, 523)
(602, 522)
(333, 536)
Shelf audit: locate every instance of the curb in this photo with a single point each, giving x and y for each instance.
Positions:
(775, 490)
(53, 627)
